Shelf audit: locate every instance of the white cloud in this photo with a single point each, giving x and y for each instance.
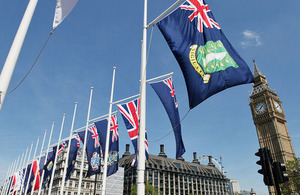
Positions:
(251, 39)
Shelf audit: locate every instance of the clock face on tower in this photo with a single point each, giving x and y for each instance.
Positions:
(277, 107)
(260, 108)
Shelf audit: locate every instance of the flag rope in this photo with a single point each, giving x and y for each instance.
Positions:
(171, 130)
(33, 63)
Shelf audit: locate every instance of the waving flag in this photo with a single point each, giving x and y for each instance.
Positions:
(166, 93)
(26, 178)
(130, 115)
(113, 151)
(35, 173)
(208, 61)
(48, 167)
(17, 179)
(74, 146)
(62, 10)
(92, 150)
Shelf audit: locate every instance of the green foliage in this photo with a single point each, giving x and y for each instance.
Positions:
(149, 189)
(293, 185)
(133, 190)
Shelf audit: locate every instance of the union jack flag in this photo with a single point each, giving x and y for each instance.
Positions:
(130, 114)
(169, 83)
(93, 130)
(114, 128)
(200, 10)
(62, 146)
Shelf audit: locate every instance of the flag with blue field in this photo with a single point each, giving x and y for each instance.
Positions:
(166, 93)
(207, 59)
(113, 149)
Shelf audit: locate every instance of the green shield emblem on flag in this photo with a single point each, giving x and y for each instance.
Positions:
(213, 57)
(210, 58)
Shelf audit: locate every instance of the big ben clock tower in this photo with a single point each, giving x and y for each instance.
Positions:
(269, 119)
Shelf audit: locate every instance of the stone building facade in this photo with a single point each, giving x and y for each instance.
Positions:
(170, 176)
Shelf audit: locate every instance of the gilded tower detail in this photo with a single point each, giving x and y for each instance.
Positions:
(269, 119)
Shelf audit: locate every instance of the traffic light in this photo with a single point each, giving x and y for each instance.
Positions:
(278, 169)
(265, 160)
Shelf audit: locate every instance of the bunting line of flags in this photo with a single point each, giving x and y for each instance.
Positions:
(209, 65)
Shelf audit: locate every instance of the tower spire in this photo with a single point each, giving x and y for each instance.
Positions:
(257, 72)
(260, 81)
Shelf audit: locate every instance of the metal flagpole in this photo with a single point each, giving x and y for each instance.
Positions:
(5, 181)
(56, 155)
(95, 184)
(84, 145)
(30, 171)
(39, 159)
(18, 163)
(20, 167)
(26, 166)
(21, 160)
(7, 188)
(159, 77)
(23, 167)
(46, 156)
(164, 13)
(67, 158)
(15, 49)
(108, 134)
(142, 114)
(14, 170)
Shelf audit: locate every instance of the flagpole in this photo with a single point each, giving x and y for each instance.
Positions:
(8, 181)
(159, 77)
(84, 145)
(21, 160)
(68, 152)
(26, 166)
(31, 169)
(46, 156)
(5, 181)
(9, 178)
(38, 167)
(20, 166)
(13, 55)
(164, 13)
(17, 166)
(23, 167)
(56, 155)
(18, 163)
(15, 169)
(108, 134)
(142, 130)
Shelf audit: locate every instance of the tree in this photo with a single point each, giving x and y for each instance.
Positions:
(149, 189)
(293, 171)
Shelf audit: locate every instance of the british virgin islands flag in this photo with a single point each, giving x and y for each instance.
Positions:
(208, 61)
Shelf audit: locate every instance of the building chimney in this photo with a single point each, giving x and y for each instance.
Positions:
(252, 192)
(162, 151)
(210, 163)
(126, 153)
(195, 160)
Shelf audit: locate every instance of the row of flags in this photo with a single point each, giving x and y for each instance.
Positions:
(96, 141)
(209, 64)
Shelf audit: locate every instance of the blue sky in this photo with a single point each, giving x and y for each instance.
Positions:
(99, 35)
